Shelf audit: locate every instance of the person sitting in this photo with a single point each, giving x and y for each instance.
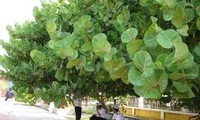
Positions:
(117, 115)
(196, 117)
(101, 113)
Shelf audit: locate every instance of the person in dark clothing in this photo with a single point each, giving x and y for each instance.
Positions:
(9, 94)
(77, 106)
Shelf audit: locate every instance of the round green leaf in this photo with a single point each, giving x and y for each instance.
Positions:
(124, 76)
(87, 46)
(118, 26)
(134, 77)
(183, 30)
(159, 1)
(198, 10)
(51, 44)
(192, 72)
(73, 62)
(163, 41)
(161, 57)
(142, 59)
(102, 76)
(154, 19)
(109, 56)
(198, 23)
(175, 65)
(186, 63)
(145, 2)
(168, 14)
(118, 73)
(169, 3)
(189, 14)
(82, 24)
(162, 79)
(184, 95)
(168, 37)
(113, 64)
(151, 34)
(60, 73)
(195, 3)
(156, 78)
(63, 49)
(181, 86)
(176, 76)
(149, 75)
(66, 51)
(124, 16)
(89, 66)
(129, 34)
(37, 56)
(197, 49)
(148, 92)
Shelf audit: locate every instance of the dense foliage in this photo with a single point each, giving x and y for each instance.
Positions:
(111, 46)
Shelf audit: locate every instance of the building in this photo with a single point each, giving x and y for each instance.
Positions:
(3, 86)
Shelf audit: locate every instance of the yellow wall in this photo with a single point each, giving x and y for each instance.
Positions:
(173, 116)
(128, 111)
(152, 115)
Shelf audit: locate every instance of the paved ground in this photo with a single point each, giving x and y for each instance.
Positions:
(20, 111)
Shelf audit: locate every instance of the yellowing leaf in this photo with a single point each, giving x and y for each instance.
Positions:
(100, 44)
(51, 27)
(181, 50)
(134, 46)
(179, 16)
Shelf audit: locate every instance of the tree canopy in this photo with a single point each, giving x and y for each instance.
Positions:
(117, 47)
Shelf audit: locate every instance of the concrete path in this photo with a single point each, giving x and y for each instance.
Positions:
(21, 111)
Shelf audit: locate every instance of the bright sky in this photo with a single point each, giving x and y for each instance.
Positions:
(14, 11)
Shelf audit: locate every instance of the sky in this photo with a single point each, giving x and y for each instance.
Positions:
(12, 12)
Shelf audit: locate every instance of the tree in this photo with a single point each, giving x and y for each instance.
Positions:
(86, 46)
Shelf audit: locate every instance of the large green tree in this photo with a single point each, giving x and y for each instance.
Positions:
(117, 47)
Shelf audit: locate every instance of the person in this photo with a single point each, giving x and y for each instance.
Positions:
(77, 106)
(117, 115)
(196, 117)
(9, 94)
(101, 113)
(10, 97)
